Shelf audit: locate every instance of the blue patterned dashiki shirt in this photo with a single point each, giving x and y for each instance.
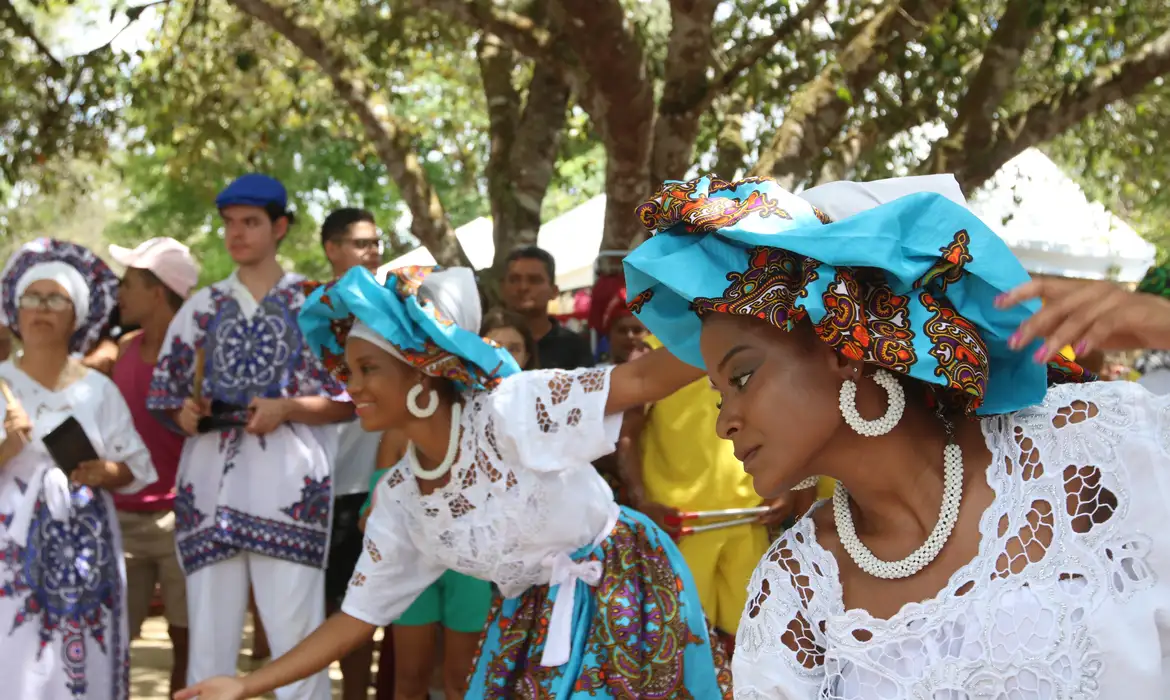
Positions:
(269, 494)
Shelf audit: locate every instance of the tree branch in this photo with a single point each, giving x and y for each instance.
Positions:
(516, 30)
(13, 19)
(1048, 118)
(974, 121)
(852, 147)
(755, 53)
(818, 110)
(392, 142)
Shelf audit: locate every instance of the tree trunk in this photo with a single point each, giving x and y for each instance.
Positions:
(688, 61)
(619, 97)
(731, 147)
(392, 142)
(524, 142)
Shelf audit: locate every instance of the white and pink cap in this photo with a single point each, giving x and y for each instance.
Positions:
(169, 260)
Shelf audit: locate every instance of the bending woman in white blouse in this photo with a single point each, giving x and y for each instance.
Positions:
(991, 537)
(498, 484)
(63, 627)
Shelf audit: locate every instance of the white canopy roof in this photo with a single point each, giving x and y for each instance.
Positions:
(573, 239)
(1040, 212)
(1053, 229)
(474, 237)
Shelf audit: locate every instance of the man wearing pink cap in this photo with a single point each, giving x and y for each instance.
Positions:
(160, 274)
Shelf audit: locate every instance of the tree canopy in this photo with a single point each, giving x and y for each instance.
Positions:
(434, 112)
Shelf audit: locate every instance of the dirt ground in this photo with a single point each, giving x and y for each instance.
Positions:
(150, 663)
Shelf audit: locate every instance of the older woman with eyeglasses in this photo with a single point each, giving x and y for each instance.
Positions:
(62, 607)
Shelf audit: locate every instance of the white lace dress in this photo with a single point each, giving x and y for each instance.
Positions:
(1068, 598)
(522, 492)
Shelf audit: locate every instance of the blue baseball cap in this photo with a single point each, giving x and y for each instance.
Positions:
(253, 190)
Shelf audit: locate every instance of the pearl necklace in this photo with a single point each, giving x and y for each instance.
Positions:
(947, 517)
(448, 460)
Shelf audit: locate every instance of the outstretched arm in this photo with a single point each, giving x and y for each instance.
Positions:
(650, 378)
(1089, 315)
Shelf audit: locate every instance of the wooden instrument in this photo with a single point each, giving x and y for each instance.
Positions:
(197, 390)
(10, 400)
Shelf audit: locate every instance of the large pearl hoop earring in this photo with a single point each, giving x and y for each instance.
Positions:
(880, 426)
(421, 411)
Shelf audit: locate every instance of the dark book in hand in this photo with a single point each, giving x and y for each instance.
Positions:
(69, 446)
(223, 416)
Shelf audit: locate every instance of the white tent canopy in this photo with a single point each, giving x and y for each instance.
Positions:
(573, 239)
(1053, 229)
(1040, 212)
(475, 238)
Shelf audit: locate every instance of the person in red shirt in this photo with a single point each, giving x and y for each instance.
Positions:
(160, 274)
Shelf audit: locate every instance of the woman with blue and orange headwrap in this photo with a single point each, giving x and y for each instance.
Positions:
(989, 536)
(497, 484)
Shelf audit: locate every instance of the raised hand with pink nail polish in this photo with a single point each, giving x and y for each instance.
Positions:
(1089, 315)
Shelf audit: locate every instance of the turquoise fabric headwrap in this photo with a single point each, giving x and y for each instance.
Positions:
(408, 312)
(909, 285)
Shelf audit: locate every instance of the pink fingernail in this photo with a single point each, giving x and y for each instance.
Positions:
(1014, 341)
(1042, 355)
(1000, 301)
(1081, 348)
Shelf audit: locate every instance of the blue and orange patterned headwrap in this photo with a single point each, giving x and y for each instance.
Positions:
(909, 285)
(427, 317)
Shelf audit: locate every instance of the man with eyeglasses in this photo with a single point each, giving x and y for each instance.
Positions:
(351, 239)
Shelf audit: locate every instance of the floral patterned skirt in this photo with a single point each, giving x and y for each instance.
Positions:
(640, 633)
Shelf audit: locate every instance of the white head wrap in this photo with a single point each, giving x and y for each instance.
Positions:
(841, 200)
(456, 297)
(69, 278)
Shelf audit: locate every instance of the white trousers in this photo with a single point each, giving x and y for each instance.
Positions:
(289, 597)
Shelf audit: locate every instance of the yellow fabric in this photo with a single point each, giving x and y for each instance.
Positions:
(721, 562)
(685, 464)
(825, 487)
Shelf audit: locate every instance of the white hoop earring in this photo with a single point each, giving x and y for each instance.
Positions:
(421, 411)
(880, 426)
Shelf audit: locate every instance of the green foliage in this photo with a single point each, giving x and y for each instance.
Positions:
(140, 144)
(1118, 157)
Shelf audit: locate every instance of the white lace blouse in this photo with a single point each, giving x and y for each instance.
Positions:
(1069, 597)
(522, 491)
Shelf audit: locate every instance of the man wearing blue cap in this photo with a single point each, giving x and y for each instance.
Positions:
(253, 503)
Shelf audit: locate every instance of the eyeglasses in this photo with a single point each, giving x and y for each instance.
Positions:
(367, 243)
(51, 302)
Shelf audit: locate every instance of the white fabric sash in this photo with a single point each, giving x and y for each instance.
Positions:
(565, 574)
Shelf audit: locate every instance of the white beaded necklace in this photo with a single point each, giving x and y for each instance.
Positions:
(947, 517)
(448, 459)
